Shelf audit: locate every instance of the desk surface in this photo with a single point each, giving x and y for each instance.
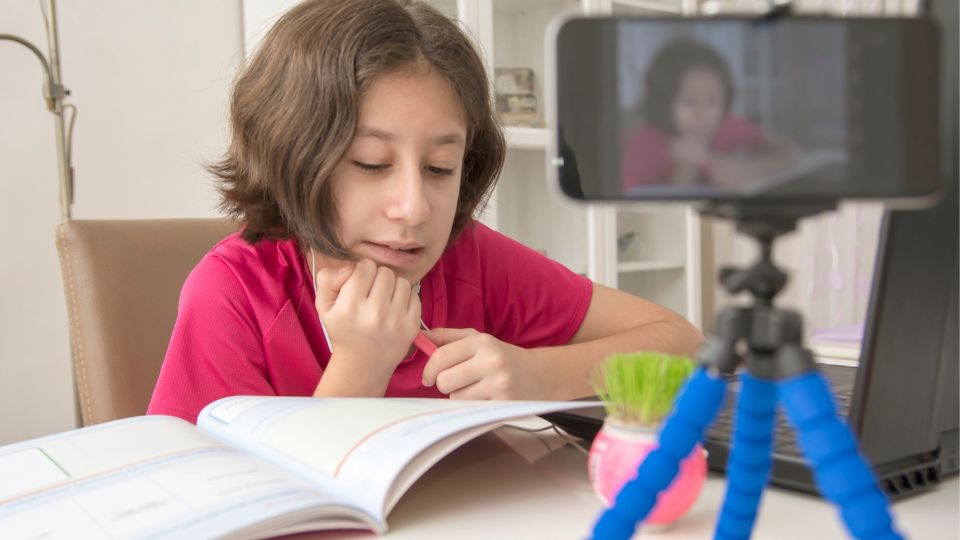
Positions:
(509, 485)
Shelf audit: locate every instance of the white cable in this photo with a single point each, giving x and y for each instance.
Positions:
(416, 291)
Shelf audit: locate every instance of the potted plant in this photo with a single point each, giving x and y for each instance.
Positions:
(638, 391)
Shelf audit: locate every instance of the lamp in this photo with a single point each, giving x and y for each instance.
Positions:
(54, 92)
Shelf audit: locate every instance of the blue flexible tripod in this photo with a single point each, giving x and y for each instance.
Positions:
(777, 368)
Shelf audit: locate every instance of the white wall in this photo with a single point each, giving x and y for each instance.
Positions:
(151, 81)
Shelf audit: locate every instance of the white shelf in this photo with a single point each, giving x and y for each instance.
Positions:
(644, 266)
(514, 7)
(667, 7)
(448, 7)
(663, 267)
(527, 138)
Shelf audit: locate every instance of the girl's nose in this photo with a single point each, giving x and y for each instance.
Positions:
(408, 201)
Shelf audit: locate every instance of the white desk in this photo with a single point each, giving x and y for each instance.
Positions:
(487, 490)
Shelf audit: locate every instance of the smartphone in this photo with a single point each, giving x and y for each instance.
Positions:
(731, 109)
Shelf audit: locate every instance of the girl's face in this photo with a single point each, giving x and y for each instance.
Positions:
(396, 188)
(700, 104)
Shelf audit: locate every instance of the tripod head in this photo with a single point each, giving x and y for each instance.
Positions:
(764, 222)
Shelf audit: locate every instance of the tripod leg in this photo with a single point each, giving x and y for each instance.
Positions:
(694, 410)
(841, 473)
(748, 467)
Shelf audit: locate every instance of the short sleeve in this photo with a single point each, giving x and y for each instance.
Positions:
(530, 300)
(216, 349)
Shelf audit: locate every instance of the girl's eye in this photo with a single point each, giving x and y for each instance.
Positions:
(370, 167)
(439, 171)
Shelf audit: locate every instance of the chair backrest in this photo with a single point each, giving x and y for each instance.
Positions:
(122, 281)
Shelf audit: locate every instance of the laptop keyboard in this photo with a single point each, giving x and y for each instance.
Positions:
(784, 438)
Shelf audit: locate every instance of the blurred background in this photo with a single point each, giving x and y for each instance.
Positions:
(150, 80)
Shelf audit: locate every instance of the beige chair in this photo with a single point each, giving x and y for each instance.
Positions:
(122, 281)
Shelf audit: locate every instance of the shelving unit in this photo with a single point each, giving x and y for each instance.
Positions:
(666, 270)
(525, 138)
(510, 34)
(625, 267)
(582, 237)
(525, 207)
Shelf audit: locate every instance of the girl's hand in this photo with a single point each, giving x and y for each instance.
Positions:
(690, 152)
(472, 365)
(371, 316)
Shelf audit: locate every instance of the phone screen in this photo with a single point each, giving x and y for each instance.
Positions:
(747, 109)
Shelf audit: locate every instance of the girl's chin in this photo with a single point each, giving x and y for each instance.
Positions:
(412, 267)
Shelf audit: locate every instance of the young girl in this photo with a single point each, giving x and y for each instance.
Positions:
(363, 143)
(689, 136)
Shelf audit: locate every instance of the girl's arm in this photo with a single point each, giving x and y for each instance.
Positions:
(771, 157)
(615, 322)
(474, 365)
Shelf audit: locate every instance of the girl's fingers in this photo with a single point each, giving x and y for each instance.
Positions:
(382, 289)
(458, 377)
(414, 309)
(401, 294)
(442, 336)
(474, 391)
(357, 288)
(329, 281)
(447, 355)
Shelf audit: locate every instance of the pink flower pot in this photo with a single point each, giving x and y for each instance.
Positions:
(617, 452)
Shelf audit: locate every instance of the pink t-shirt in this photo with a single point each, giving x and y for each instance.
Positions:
(247, 324)
(647, 159)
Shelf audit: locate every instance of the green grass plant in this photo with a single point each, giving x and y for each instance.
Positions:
(640, 388)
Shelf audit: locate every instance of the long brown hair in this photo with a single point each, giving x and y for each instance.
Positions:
(664, 76)
(294, 111)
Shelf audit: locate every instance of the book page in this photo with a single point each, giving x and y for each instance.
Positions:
(150, 476)
(809, 162)
(74, 455)
(361, 446)
(344, 423)
(207, 493)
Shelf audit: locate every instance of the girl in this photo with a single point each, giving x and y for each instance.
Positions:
(689, 136)
(363, 143)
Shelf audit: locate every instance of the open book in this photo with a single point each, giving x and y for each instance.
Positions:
(252, 467)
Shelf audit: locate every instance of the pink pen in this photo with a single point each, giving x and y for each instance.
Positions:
(423, 343)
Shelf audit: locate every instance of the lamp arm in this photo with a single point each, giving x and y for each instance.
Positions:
(51, 90)
(32, 47)
(54, 93)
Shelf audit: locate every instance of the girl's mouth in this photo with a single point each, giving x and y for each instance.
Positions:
(397, 255)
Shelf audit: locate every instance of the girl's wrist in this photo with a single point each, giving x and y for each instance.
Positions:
(349, 376)
(549, 369)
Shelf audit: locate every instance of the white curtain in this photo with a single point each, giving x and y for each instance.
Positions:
(829, 260)
(834, 257)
